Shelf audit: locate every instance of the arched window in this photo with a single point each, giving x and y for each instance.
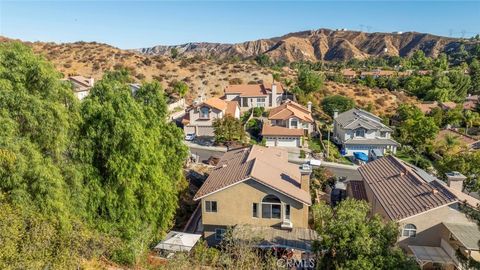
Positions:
(409, 230)
(271, 207)
(360, 132)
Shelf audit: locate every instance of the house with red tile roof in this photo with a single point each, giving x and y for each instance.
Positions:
(287, 124)
(255, 95)
(199, 118)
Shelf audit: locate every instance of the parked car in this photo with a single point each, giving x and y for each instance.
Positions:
(190, 137)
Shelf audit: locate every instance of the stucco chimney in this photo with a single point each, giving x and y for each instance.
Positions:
(455, 180)
(309, 106)
(274, 95)
(305, 172)
(335, 114)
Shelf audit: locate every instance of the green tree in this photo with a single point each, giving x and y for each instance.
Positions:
(309, 81)
(475, 77)
(419, 60)
(263, 60)
(415, 128)
(228, 129)
(181, 88)
(353, 239)
(337, 103)
(467, 163)
(461, 83)
(174, 53)
(133, 163)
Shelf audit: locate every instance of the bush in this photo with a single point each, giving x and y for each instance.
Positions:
(337, 103)
(258, 111)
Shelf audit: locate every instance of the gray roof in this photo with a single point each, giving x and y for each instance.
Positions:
(355, 118)
(376, 141)
(467, 234)
(401, 189)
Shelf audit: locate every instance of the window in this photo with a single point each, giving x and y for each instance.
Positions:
(287, 211)
(383, 134)
(294, 123)
(210, 206)
(260, 102)
(409, 230)
(204, 113)
(360, 132)
(219, 234)
(255, 209)
(244, 102)
(271, 207)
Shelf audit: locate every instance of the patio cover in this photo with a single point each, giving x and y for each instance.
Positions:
(467, 234)
(361, 156)
(424, 255)
(269, 237)
(178, 241)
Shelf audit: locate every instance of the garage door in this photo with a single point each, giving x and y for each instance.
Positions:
(270, 141)
(287, 142)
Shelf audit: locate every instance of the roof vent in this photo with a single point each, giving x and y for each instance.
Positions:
(434, 191)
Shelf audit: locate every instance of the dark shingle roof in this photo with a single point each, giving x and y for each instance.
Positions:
(401, 190)
(355, 118)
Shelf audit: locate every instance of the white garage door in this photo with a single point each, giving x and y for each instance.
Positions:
(270, 141)
(287, 142)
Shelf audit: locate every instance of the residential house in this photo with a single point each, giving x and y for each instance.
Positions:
(255, 95)
(199, 118)
(256, 187)
(469, 142)
(81, 85)
(427, 107)
(378, 73)
(358, 131)
(471, 102)
(287, 124)
(448, 105)
(432, 226)
(349, 73)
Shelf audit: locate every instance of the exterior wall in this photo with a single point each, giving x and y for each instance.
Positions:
(430, 231)
(81, 95)
(230, 97)
(375, 205)
(234, 206)
(252, 102)
(237, 112)
(178, 104)
(202, 127)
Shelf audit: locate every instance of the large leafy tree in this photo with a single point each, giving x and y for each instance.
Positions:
(228, 129)
(41, 193)
(353, 239)
(309, 81)
(132, 161)
(415, 128)
(337, 103)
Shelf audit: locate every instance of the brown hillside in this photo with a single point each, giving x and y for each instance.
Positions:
(322, 44)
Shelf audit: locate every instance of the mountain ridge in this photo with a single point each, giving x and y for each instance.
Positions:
(321, 44)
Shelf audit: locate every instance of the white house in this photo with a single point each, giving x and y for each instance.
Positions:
(255, 95)
(287, 124)
(357, 130)
(81, 86)
(199, 118)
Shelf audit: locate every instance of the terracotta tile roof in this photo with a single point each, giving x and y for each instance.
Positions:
(356, 189)
(402, 189)
(268, 166)
(349, 72)
(289, 109)
(252, 90)
(82, 83)
(467, 140)
(470, 105)
(268, 130)
(216, 103)
(427, 107)
(231, 108)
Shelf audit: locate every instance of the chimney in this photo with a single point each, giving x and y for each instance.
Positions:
(305, 173)
(455, 180)
(274, 95)
(309, 106)
(91, 81)
(335, 114)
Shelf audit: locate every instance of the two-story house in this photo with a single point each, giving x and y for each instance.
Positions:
(257, 187)
(357, 130)
(287, 124)
(255, 95)
(199, 118)
(427, 210)
(81, 85)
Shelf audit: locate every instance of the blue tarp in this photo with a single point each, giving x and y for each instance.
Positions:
(361, 156)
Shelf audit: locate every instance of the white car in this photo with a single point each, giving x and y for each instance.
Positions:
(190, 137)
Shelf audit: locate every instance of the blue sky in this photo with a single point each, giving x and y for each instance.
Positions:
(134, 24)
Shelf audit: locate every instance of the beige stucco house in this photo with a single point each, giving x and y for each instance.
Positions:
(257, 187)
(287, 124)
(199, 118)
(432, 227)
(81, 85)
(255, 95)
